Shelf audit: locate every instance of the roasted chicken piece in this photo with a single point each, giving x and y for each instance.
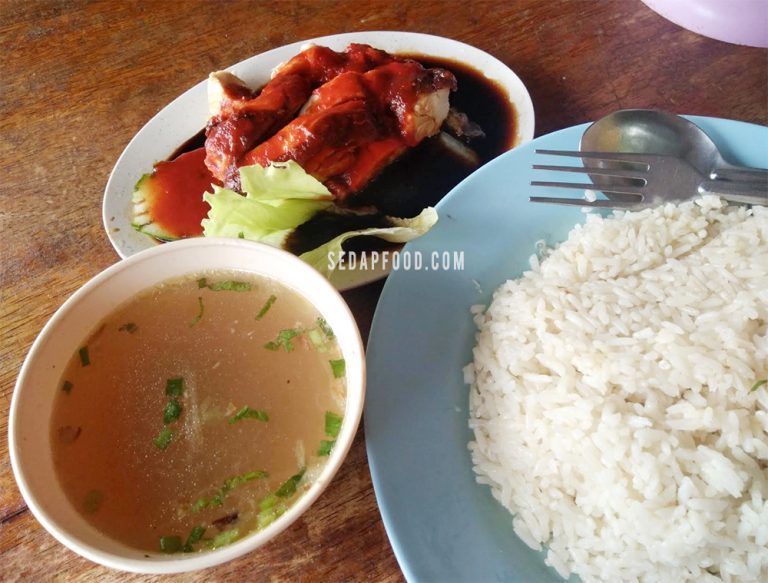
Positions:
(356, 124)
(241, 118)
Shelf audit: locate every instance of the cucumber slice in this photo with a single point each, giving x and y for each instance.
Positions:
(143, 197)
(168, 203)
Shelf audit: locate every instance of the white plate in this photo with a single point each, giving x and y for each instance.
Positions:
(186, 115)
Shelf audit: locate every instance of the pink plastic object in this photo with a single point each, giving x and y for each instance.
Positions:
(743, 22)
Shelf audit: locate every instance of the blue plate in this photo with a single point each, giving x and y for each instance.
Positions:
(443, 526)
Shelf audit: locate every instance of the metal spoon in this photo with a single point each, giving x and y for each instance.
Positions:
(657, 132)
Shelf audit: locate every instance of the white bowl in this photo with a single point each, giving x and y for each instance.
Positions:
(39, 380)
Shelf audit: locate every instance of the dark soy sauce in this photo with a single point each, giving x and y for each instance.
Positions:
(425, 174)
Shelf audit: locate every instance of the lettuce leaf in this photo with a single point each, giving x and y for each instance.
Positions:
(324, 258)
(282, 180)
(268, 221)
(283, 196)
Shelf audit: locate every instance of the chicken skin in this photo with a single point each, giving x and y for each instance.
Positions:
(356, 124)
(241, 119)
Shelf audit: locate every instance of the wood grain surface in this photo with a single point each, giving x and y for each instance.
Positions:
(78, 79)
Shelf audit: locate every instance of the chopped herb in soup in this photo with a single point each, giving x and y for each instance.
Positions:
(206, 420)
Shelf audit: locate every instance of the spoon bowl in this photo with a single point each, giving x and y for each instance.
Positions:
(650, 131)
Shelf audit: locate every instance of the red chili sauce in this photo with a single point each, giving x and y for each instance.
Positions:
(177, 194)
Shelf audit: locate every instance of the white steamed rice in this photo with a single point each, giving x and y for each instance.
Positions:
(610, 397)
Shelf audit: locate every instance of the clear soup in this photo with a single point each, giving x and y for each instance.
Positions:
(198, 412)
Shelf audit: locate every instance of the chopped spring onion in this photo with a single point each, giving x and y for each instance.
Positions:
(170, 544)
(129, 327)
(85, 358)
(164, 438)
(238, 286)
(199, 504)
(172, 411)
(217, 500)
(224, 538)
(332, 424)
(283, 340)
(758, 384)
(318, 340)
(200, 310)
(234, 482)
(265, 308)
(268, 515)
(267, 502)
(247, 413)
(229, 285)
(332, 428)
(174, 387)
(288, 487)
(321, 335)
(339, 368)
(325, 328)
(325, 447)
(92, 501)
(67, 387)
(265, 518)
(271, 506)
(229, 484)
(195, 536)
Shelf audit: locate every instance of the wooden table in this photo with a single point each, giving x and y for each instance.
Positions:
(78, 79)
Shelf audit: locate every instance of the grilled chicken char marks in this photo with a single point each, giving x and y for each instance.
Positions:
(241, 118)
(356, 124)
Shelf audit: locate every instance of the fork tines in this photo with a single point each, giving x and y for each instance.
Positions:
(634, 157)
(633, 180)
(628, 190)
(616, 172)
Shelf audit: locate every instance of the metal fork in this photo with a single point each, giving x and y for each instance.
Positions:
(633, 181)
